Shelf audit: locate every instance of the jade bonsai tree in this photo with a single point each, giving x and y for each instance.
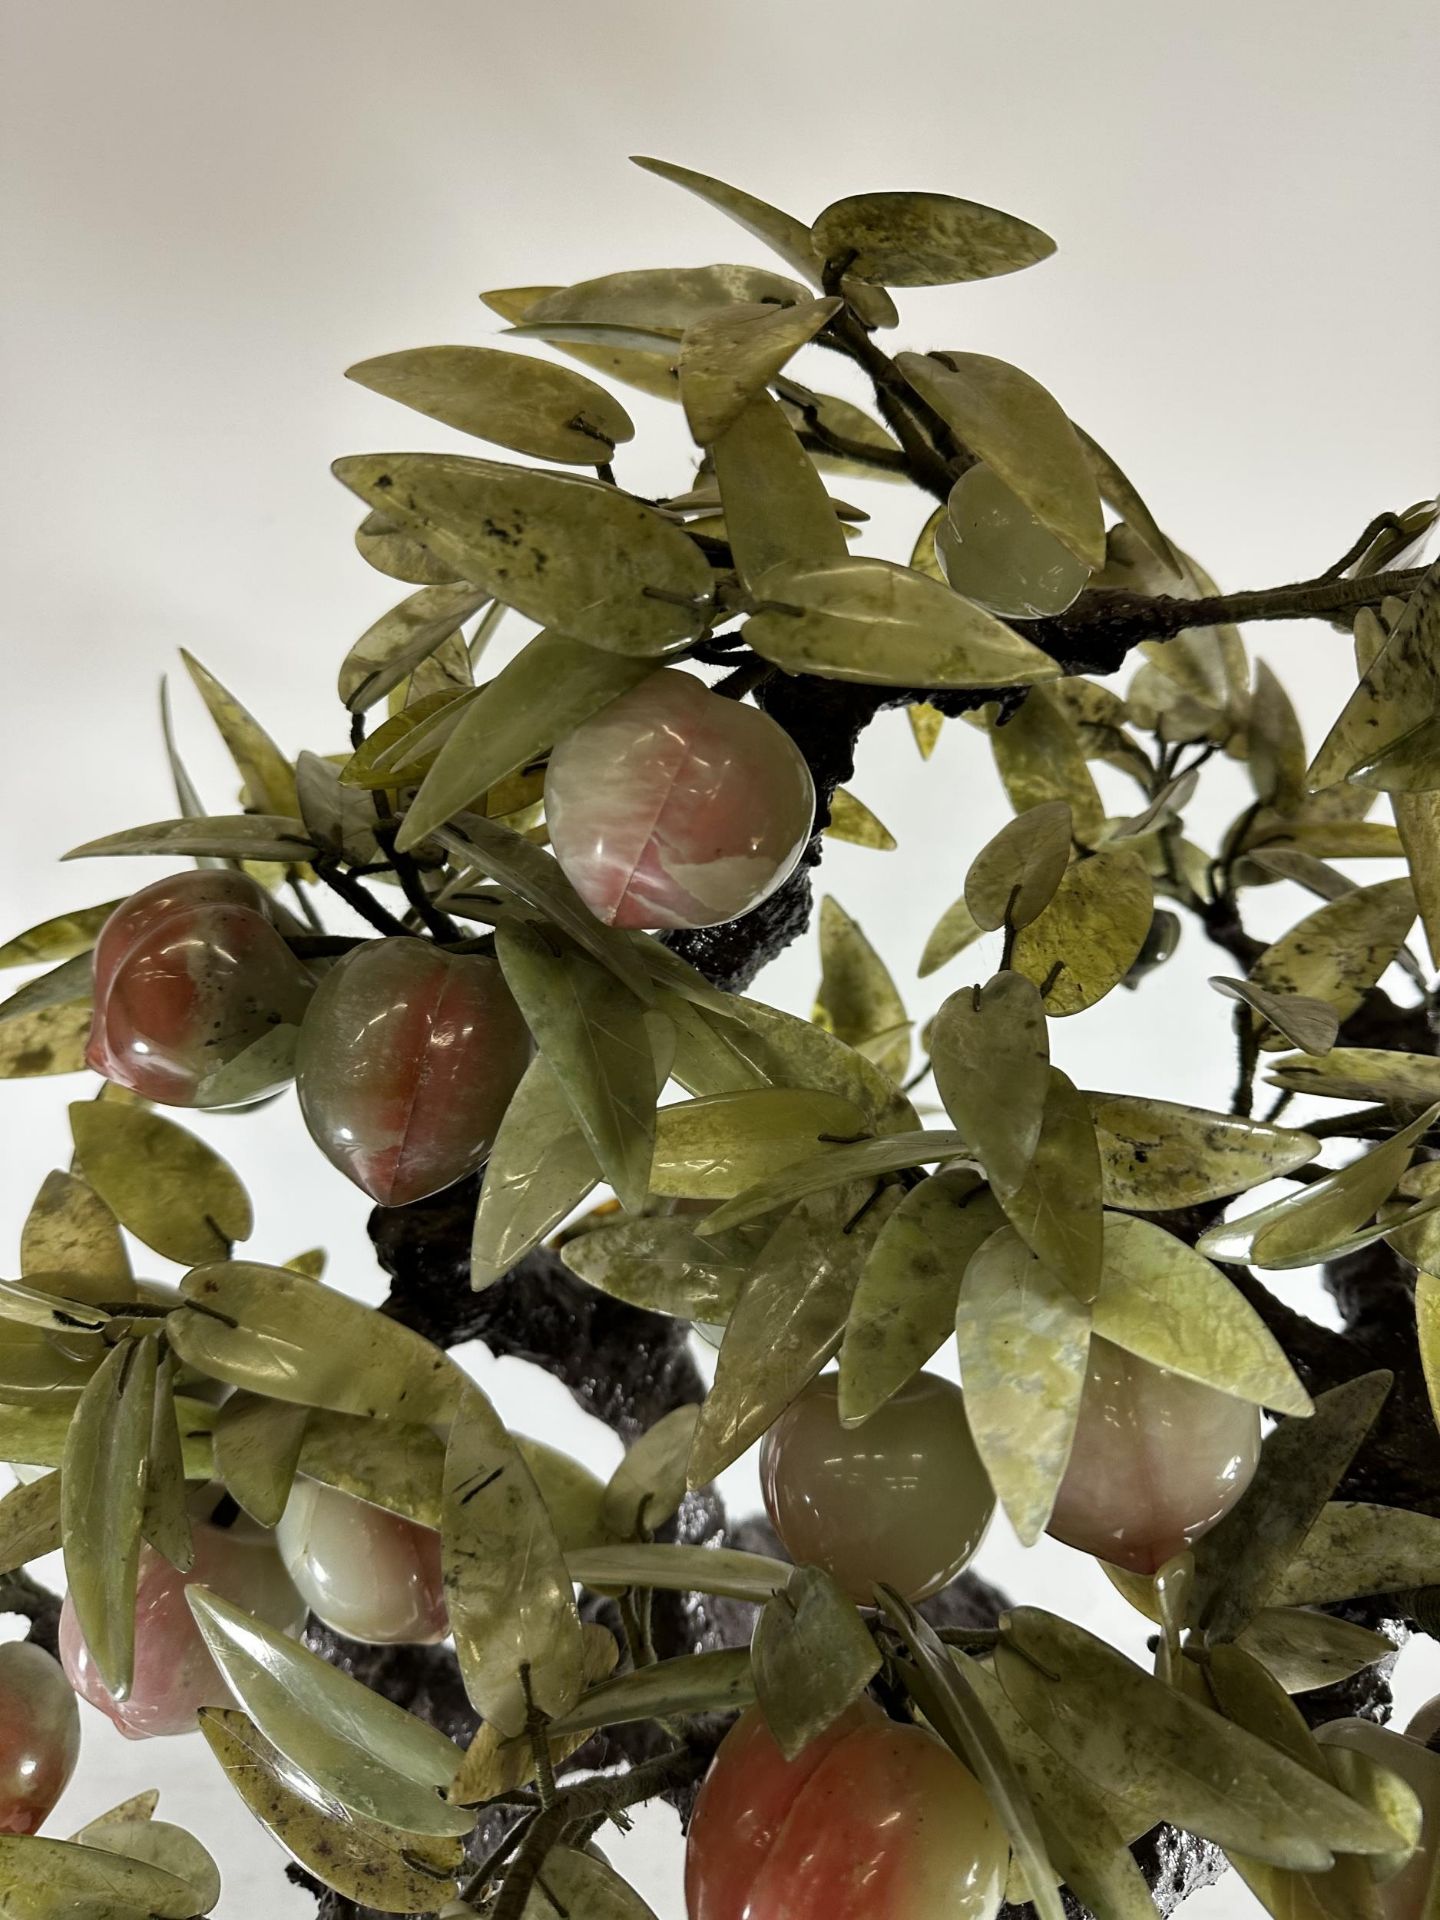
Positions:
(437, 1659)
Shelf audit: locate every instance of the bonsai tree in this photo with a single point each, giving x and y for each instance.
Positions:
(437, 1659)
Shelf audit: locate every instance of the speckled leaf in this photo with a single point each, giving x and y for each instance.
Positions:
(238, 836)
(851, 820)
(103, 1496)
(566, 551)
(693, 1683)
(545, 692)
(403, 748)
(376, 1759)
(388, 547)
(1021, 432)
(776, 508)
(1117, 491)
(926, 722)
(1056, 1206)
(1239, 1561)
(1088, 938)
(872, 621)
(1135, 1736)
(157, 1843)
(497, 1763)
(1040, 758)
(732, 355)
(51, 1040)
(338, 817)
(954, 931)
(59, 938)
(30, 1524)
(51, 1879)
(139, 1807)
(1398, 686)
(539, 1169)
(1338, 952)
(863, 1160)
(277, 1333)
(528, 405)
(651, 372)
(1304, 1650)
(903, 1309)
(647, 1487)
(1304, 1226)
(170, 1189)
(1024, 1343)
(858, 1000)
(1361, 1073)
(925, 239)
(400, 639)
(663, 297)
(395, 1464)
(1276, 756)
(671, 1266)
(788, 1321)
(165, 1522)
(257, 1448)
(991, 1050)
(1014, 876)
(1354, 1549)
(1309, 1024)
(583, 1885)
(812, 1656)
(361, 1860)
(268, 777)
(720, 1570)
(1155, 1154)
(1161, 1299)
(721, 1146)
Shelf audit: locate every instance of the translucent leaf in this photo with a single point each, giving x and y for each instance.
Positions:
(1056, 1207)
(60, 938)
(238, 836)
(394, 551)
(165, 1521)
(1090, 935)
(377, 1760)
(852, 820)
(51, 1040)
(903, 1308)
(718, 1570)
(721, 1146)
(1304, 1650)
(812, 1656)
(672, 1266)
(954, 931)
(268, 777)
(1354, 1549)
(732, 355)
(1309, 1024)
(584, 1885)
(1119, 492)
(858, 1000)
(1022, 434)
(925, 722)
(1155, 1154)
(69, 1229)
(257, 1449)
(863, 1160)
(159, 1844)
(338, 817)
(663, 297)
(991, 1052)
(497, 1763)
(395, 1464)
(1024, 1343)
(565, 551)
(925, 239)
(360, 1859)
(510, 399)
(1161, 1299)
(85, 1881)
(1361, 1073)
(103, 1497)
(1400, 685)
(1276, 744)
(402, 749)
(29, 1522)
(506, 1587)
(400, 639)
(647, 1487)
(651, 372)
(869, 620)
(776, 509)
(1014, 876)
(1337, 953)
(539, 1169)
(712, 1682)
(170, 1189)
(277, 1333)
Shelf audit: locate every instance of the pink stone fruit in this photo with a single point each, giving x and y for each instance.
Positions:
(39, 1735)
(369, 1574)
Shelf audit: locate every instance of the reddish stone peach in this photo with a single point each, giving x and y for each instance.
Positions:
(674, 807)
(901, 1499)
(174, 1673)
(189, 973)
(408, 1058)
(369, 1574)
(872, 1821)
(39, 1735)
(1157, 1461)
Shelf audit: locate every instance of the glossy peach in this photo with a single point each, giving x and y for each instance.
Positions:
(39, 1735)
(174, 1673)
(675, 807)
(872, 1821)
(407, 1061)
(993, 549)
(189, 973)
(1157, 1461)
(369, 1574)
(902, 1498)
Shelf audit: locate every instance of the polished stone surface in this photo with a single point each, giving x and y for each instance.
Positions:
(992, 549)
(674, 807)
(39, 1735)
(366, 1573)
(408, 1058)
(902, 1498)
(1157, 1460)
(1412, 1892)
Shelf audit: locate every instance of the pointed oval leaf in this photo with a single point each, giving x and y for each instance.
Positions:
(864, 1160)
(497, 1763)
(30, 1523)
(586, 1886)
(70, 1879)
(539, 1170)
(991, 1052)
(1355, 1549)
(812, 1655)
(50, 1040)
(647, 1487)
(1338, 952)
(69, 1229)
(400, 639)
(235, 836)
(925, 239)
(1398, 686)
(719, 1570)
(955, 930)
(395, 1464)
(268, 776)
(852, 821)
(257, 1449)
(776, 508)
(858, 1000)
(393, 551)
(1361, 1073)
(62, 986)
(666, 297)
(1304, 1650)
(1040, 756)
(693, 1683)
(1308, 1024)
(732, 355)
(1155, 1154)
(667, 1266)
(1014, 876)
(159, 1844)
(61, 937)
(568, 552)
(1090, 935)
(721, 1146)
(165, 1521)
(1056, 1207)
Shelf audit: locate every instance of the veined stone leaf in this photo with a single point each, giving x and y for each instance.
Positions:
(1135, 1736)
(671, 1266)
(719, 1570)
(1119, 492)
(1354, 1549)
(64, 1878)
(400, 639)
(1056, 1206)
(925, 239)
(862, 1160)
(1250, 1697)
(1398, 687)
(277, 1333)
(811, 1655)
(165, 1518)
(509, 1598)
(736, 353)
(338, 817)
(539, 1169)
(721, 1146)
(903, 1308)
(647, 1487)
(869, 620)
(654, 373)
(1303, 1649)
(30, 1523)
(1161, 1299)
(568, 552)
(776, 507)
(1361, 1073)
(497, 1763)
(664, 297)
(1305, 1226)
(583, 1883)
(169, 1188)
(102, 1499)
(268, 776)
(1014, 876)
(50, 1040)
(1155, 1154)
(693, 1683)
(395, 1464)
(373, 1757)
(157, 1843)
(1338, 952)
(257, 1449)
(1308, 1024)
(858, 1000)
(231, 836)
(392, 550)
(360, 1859)
(528, 405)
(1090, 935)
(592, 1029)
(991, 1051)
(1024, 1342)
(1022, 434)
(852, 820)
(953, 932)
(404, 747)
(788, 1320)
(545, 692)
(61, 937)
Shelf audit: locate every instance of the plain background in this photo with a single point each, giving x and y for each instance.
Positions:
(211, 209)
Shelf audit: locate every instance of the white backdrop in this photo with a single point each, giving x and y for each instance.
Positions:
(213, 208)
